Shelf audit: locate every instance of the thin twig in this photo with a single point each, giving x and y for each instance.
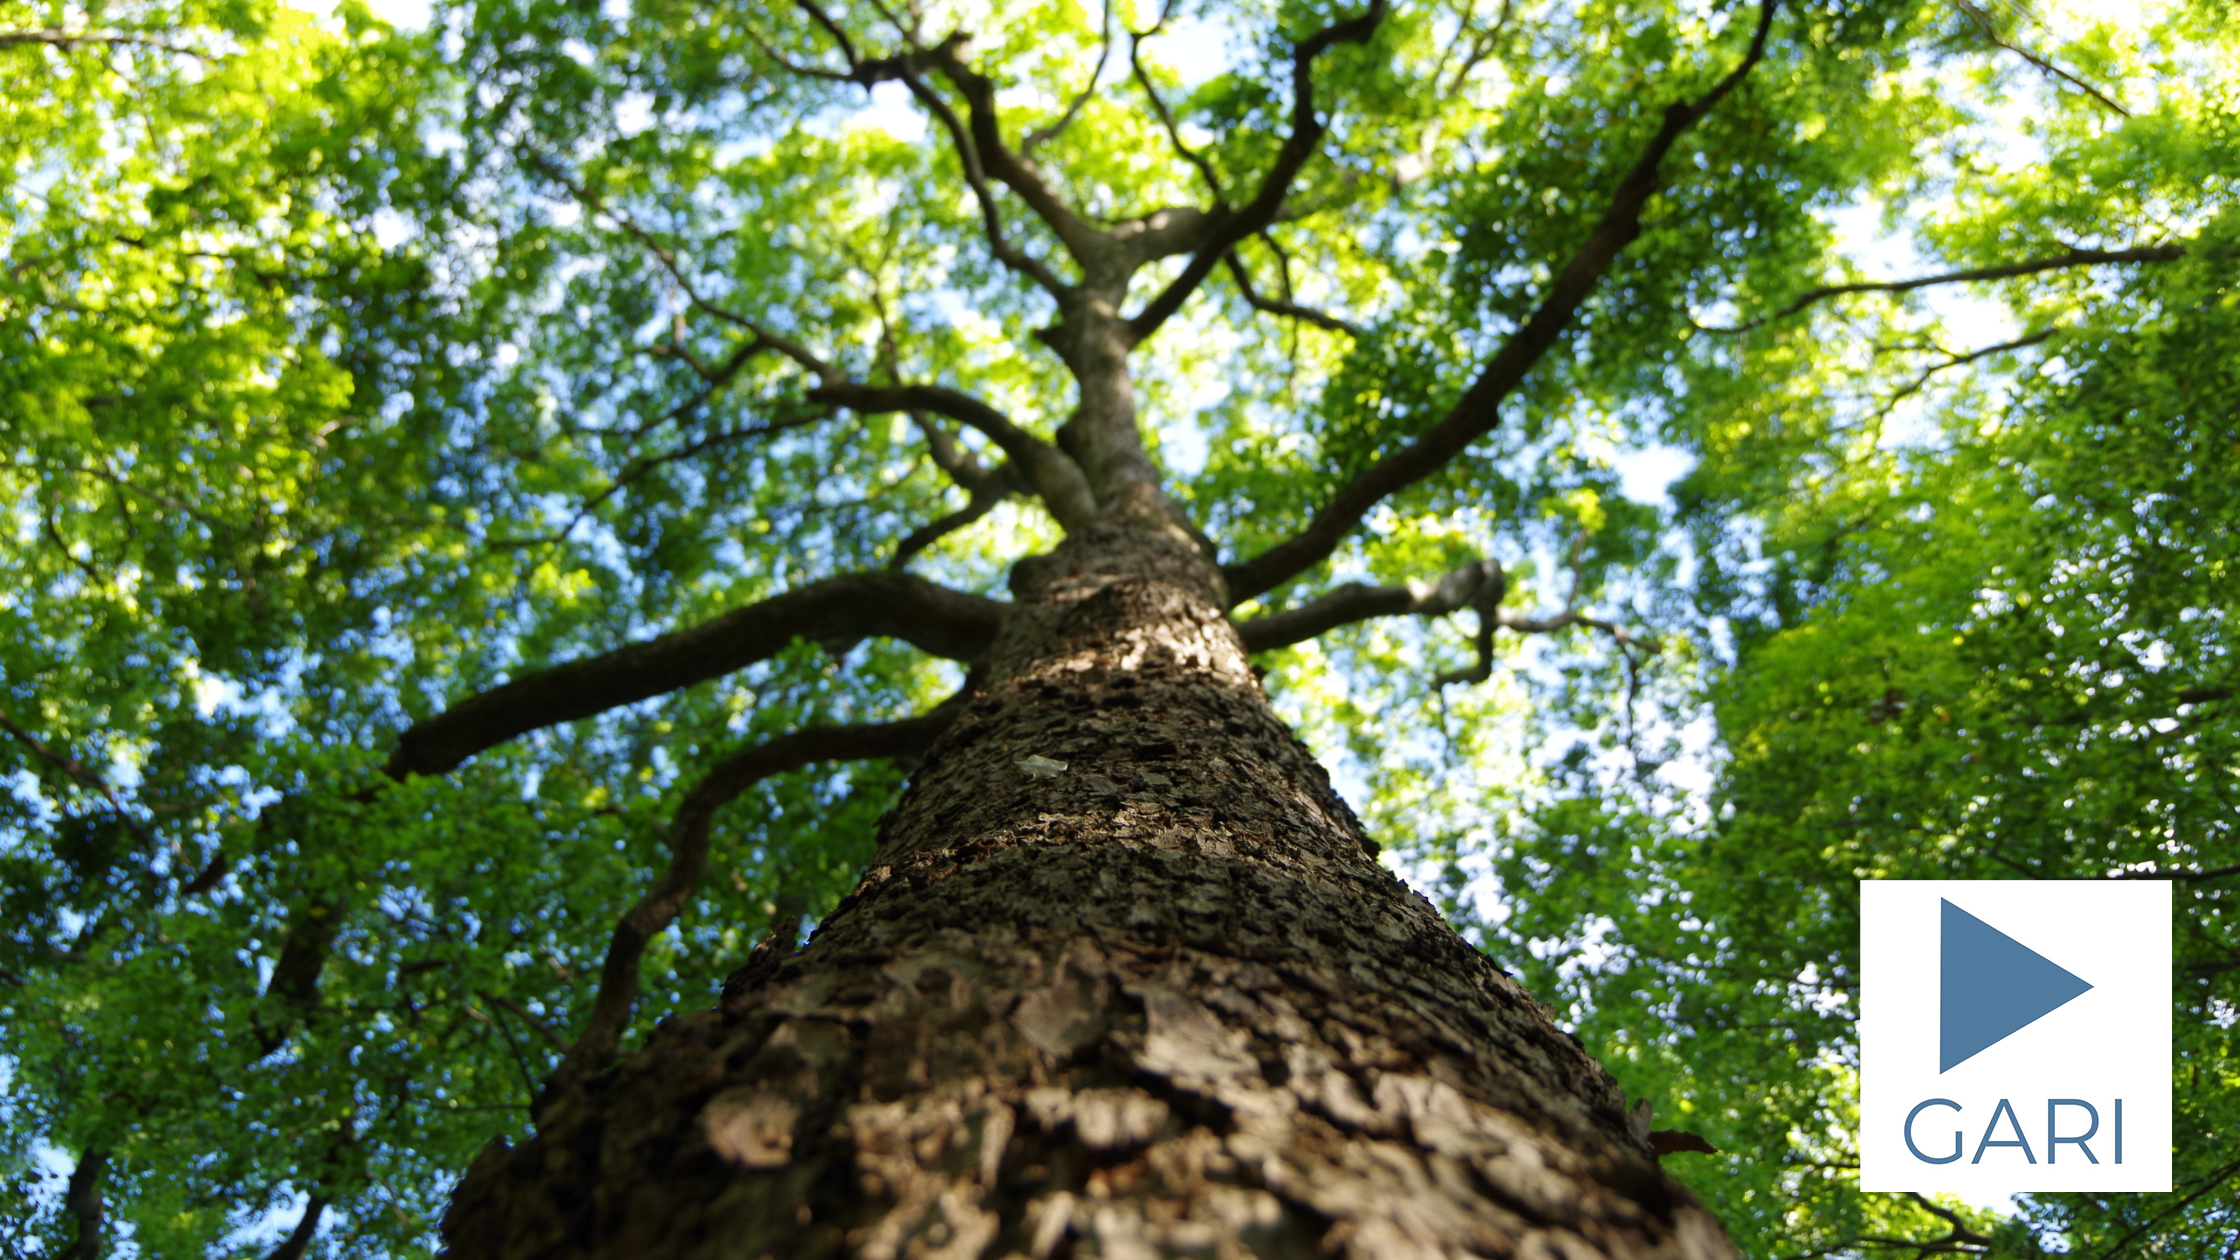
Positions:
(2073, 257)
(1991, 33)
(1043, 135)
(77, 772)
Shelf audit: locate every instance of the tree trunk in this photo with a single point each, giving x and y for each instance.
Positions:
(1163, 1002)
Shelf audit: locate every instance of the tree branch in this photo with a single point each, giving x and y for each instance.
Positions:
(993, 490)
(1226, 228)
(77, 773)
(1991, 32)
(1056, 477)
(1359, 602)
(2073, 257)
(56, 37)
(2214, 1180)
(976, 177)
(645, 464)
(1478, 411)
(688, 857)
(894, 605)
(298, 1241)
(1279, 306)
(1921, 381)
(1043, 135)
(520, 1012)
(82, 1200)
(979, 144)
(1166, 116)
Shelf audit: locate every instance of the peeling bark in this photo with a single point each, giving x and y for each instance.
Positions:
(1163, 1002)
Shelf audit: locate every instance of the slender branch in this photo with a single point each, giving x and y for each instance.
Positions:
(688, 856)
(1960, 1229)
(1991, 32)
(984, 499)
(1503, 618)
(667, 257)
(1281, 306)
(894, 605)
(1226, 228)
(976, 177)
(1478, 411)
(2214, 1180)
(645, 464)
(2218, 872)
(1918, 383)
(2073, 257)
(56, 37)
(1056, 477)
(1166, 116)
(1043, 135)
(77, 773)
(1481, 46)
(520, 1012)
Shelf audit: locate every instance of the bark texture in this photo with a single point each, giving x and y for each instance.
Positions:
(1162, 1003)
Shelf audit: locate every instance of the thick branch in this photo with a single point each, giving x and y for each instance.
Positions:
(1064, 490)
(298, 1241)
(688, 858)
(2004, 271)
(82, 1200)
(1086, 243)
(1478, 411)
(894, 605)
(1226, 228)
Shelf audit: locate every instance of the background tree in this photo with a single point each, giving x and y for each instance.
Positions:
(499, 512)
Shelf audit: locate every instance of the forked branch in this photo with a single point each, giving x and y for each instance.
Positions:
(1054, 474)
(1225, 229)
(992, 489)
(1280, 306)
(1480, 586)
(1361, 602)
(1478, 411)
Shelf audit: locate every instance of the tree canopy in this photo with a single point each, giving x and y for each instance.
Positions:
(354, 381)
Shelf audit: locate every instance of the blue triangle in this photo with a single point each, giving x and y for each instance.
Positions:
(1993, 986)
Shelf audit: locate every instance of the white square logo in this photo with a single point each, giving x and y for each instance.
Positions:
(2014, 1035)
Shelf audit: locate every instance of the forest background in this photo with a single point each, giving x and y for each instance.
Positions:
(348, 368)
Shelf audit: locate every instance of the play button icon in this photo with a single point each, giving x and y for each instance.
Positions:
(1992, 987)
(1988, 1069)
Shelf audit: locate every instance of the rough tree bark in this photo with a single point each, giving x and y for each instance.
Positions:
(1163, 1002)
